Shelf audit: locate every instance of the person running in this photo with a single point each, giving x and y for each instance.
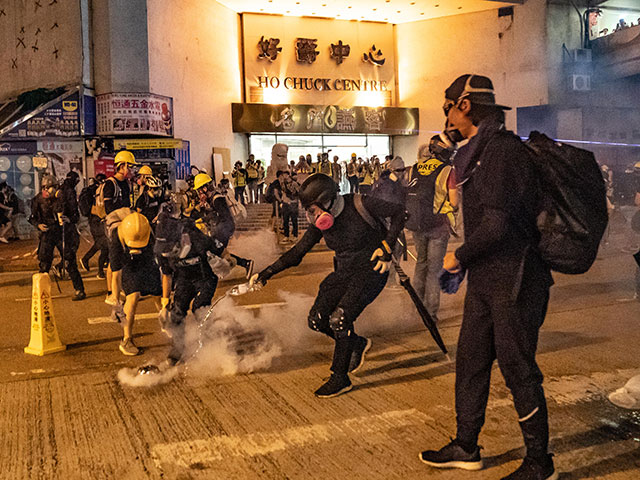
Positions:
(362, 259)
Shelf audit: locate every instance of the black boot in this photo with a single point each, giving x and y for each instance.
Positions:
(336, 385)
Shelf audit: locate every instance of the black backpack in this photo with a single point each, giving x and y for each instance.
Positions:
(86, 200)
(270, 196)
(573, 215)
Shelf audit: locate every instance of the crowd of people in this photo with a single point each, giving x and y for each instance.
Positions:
(170, 245)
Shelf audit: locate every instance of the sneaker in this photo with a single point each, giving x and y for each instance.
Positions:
(335, 386)
(363, 345)
(80, 295)
(4, 240)
(84, 264)
(452, 456)
(101, 275)
(535, 469)
(55, 271)
(111, 300)
(128, 347)
(249, 268)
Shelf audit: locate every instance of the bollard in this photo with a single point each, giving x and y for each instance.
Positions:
(44, 334)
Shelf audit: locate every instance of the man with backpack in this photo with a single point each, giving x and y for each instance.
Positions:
(508, 281)
(429, 189)
(86, 203)
(239, 176)
(362, 260)
(113, 196)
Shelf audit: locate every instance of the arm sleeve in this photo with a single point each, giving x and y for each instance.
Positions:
(34, 218)
(503, 185)
(294, 256)
(382, 209)
(485, 239)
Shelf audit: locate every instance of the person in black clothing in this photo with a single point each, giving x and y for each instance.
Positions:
(96, 227)
(215, 212)
(362, 259)
(289, 201)
(182, 252)
(117, 195)
(148, 203)
(508, 289)
(55, 214)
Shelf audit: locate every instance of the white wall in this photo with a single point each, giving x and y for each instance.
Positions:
(194, 57)
(52, 51)
(432, 53)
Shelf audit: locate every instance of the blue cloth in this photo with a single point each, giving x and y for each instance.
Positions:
(450, 282)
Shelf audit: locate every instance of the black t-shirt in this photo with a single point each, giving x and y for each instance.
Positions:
(113, 199)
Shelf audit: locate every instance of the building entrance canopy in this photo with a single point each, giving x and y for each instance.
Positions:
(326, 119)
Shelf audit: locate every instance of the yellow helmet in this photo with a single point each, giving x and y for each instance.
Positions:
(125, 156)
(201, 180)
(145, 170)
(134, 231)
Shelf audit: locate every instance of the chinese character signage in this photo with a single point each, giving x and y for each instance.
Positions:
(301, 60)
(261, 118)
(61, 119)
(134, 113)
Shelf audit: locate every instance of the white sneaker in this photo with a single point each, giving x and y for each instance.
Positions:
(111, 300)
(4, 240)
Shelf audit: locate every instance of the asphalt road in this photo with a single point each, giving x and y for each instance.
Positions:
(67, 416)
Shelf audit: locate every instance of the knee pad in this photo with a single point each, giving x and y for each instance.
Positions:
(339, 324)
(314, 320)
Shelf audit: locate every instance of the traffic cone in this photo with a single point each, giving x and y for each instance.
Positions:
(44, 334)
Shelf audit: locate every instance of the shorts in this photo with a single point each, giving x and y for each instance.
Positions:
(141, 275)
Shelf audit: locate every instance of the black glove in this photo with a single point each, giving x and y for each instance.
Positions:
(383, 255)
(450, 282)
(262, 277)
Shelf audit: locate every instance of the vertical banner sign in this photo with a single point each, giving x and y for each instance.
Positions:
(183, 161)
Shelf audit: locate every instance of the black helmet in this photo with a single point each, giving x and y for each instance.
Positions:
(73, 177)
(319, 189)
(441, 147)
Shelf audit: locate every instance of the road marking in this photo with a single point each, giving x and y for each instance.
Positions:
(153, 315)
(203, 452)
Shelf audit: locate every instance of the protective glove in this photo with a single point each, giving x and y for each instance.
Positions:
(260, 278)
(450, 282)
(383, 255)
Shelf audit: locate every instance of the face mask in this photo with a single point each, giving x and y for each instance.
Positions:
(455, 136)
(324, 221)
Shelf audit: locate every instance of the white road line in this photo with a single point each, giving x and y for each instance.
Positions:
(203, 452)
(151, 316)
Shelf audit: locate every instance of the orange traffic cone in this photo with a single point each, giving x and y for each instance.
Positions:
(44, 334)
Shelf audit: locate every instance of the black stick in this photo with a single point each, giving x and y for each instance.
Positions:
(422, 310)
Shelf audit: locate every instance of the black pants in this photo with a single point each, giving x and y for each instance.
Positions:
(54, 239)
(239, 191)
(290, 214)
(100, 243)
(354, 184)
(351, 290)
(187, 289)
(496, 327)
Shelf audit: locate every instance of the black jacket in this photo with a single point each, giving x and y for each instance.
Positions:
(500, 206)
(351, 238)
(43, 212)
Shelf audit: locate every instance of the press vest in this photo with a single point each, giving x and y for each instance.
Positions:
(421, 196)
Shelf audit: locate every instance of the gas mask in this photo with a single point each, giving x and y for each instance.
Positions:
(454, 135)
(325, 216)
(172, 241)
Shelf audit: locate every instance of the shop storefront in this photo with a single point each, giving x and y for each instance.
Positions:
(44, 131)
(319, 91)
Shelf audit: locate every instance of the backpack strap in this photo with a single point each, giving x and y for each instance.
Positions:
(364, 213)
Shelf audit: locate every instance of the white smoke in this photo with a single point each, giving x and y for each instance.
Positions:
(131, 377)
(629, 395)
(260, 246)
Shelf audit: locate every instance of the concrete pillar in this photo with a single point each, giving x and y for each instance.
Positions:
(120, 46)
